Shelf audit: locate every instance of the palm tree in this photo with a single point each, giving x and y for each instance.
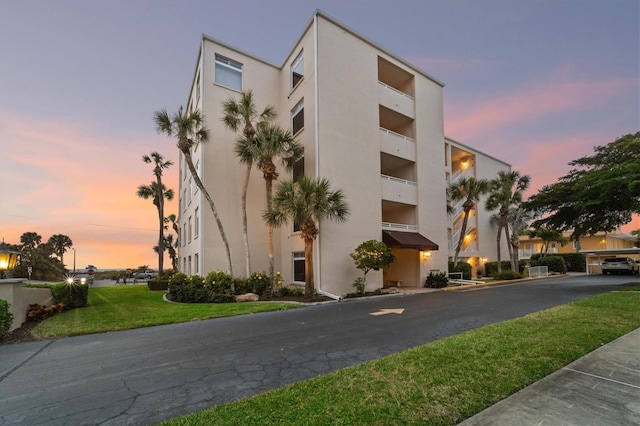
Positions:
(470, 190)
(159, 164)
(506, 192)
(242, 115)
(547, 235)
(173, 220)
(157, 192)
(189, 130)
(171, 248)
(270, 142)
(307, 202)
(60, 243)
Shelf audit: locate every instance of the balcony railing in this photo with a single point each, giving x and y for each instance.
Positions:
(460, 174)
(398, 180)
(399, 227)
(395, 90)
(397, 135)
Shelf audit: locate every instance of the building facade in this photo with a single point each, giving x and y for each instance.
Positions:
(371, 123)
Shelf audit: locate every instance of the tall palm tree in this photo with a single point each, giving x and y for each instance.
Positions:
(505, 192)
(158, 193)
(242, 116)
(171, 248)
(173, 220)
(518, 222)
(269, 142)
(189, 130)
(307, 202)
(159, 165)
(60, 243)
(470, 190)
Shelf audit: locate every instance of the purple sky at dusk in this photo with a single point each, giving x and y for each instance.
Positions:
(534, 83)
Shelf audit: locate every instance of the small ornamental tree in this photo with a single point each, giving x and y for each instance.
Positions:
(370, 255)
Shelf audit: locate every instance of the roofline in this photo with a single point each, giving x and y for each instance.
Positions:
(448, 139)
(334, 21)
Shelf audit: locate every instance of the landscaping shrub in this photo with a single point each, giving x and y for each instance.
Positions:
(463, 267)
(438, 280)
(158, 285)
(36, 312)
(491, 268)
(290, 291)
(70, 295)
(219, 282)
(6, 319)
(259, 284)
(554, 263)
(507, 274)
(360, 285)
(576, 262)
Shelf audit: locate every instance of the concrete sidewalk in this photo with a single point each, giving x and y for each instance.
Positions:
(601, 388)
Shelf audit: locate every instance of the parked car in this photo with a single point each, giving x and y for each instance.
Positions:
(620, 265)
(142, 276)
(80, 279)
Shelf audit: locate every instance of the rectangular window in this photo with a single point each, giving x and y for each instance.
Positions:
(298, 266)
(184, 234)
(184, 265)
(297, 70)
(196, 263)
(190, 229)
(297, 117)
(298, 169)
(189, 267)
(196, 224)
(198, 91)
(296, 226)
(228, 73)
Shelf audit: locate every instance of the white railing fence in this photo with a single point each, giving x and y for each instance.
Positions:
(538, 271)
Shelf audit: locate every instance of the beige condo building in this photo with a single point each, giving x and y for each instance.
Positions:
(371, 123)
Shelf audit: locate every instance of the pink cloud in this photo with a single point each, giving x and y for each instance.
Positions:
(58, 177)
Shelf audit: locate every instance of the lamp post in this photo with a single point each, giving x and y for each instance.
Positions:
(8, 258)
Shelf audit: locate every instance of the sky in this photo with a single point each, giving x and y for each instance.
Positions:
(536, 83)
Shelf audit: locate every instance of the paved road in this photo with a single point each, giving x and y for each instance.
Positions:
(149, 375)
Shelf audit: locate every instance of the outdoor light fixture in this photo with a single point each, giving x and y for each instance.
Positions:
(8, 258)
(426, 255)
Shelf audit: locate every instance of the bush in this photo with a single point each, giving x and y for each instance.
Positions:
(290, 291)
(576, 262)
(438, 280)
(554, 263)
(507, 275)
(360, 285)
(491, 268)
(6, 319)
(158, 285)
(259, 284)
(70, 295)
(219, 282)
(37, 312)
(463, 267)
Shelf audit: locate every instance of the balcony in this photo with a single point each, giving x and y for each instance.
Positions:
(396, 144)
(399, 227)
(396, 100)
(399, 190)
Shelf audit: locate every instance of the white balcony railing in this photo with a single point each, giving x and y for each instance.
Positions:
(395, 90)
(399, 227)
(398, 180)
(397, 135)
(460, 174)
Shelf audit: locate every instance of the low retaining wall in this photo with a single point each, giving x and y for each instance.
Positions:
(19, 299)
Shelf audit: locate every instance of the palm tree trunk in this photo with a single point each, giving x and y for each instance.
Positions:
(269, 188)
(245, 231)
(515, 244)
(161, 225)
(199, 184)
(509, 247)
(463, 231)
(309, 285)
(498, 246)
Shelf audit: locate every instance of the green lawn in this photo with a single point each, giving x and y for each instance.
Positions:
(444, 382)
(125, 307)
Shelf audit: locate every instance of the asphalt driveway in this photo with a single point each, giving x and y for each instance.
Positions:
(148, 375)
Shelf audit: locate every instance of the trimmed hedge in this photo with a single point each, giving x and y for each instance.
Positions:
(507, 274)
(6, 319)
(491, 268)
(463, 267)
(554, 263)
(575, 262)
(158, 285)
(70, 295)
(438, 280)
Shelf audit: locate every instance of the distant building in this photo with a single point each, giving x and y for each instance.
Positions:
(371, 123)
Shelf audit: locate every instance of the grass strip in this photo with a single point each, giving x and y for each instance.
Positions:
(444, 382)
(121, 308)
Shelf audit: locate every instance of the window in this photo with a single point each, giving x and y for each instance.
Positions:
(298, 169)
(297, 117)
(297, 70)
(296, 226)
(298, 266)
(184, 265)
(198, 91)
(190, 229)
(189, 267)
(196, 224)
(196, 263)
(228, 73)
(184, 235)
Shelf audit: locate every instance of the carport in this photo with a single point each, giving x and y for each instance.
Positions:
(594, 257)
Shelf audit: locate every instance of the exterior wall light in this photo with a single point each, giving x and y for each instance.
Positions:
(8, 258)
(426, 255)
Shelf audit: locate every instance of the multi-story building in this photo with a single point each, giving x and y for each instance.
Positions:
(371, 123)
